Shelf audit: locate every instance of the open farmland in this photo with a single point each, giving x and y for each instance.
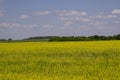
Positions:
(92, 60)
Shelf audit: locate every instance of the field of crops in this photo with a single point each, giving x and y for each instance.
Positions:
(92, 60)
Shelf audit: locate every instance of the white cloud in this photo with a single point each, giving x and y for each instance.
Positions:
(98, 23)
(84, 28)
(30, 25)
(1, 14)
(75, 19)
(46, 27)
(42, 13)
(116, 11)
(71, 13)
(72, 20)
(70, 17)
(118, 22)
(63, 18)
(104, 16)
(68, 23)
(24, 16)
(16, 25)
(9, 25)
(83, 19)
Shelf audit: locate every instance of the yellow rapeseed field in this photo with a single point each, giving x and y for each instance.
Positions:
(87, 60)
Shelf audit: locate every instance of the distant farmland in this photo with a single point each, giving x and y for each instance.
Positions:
(88, 60)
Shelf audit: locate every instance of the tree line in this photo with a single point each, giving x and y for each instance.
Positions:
(70, 38)
(84, 38)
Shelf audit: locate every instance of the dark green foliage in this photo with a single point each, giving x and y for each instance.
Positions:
(9, 39)
(84, 38)
(65, 38)
(2, 39)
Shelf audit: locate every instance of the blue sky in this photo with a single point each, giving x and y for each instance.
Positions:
(26, 18)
